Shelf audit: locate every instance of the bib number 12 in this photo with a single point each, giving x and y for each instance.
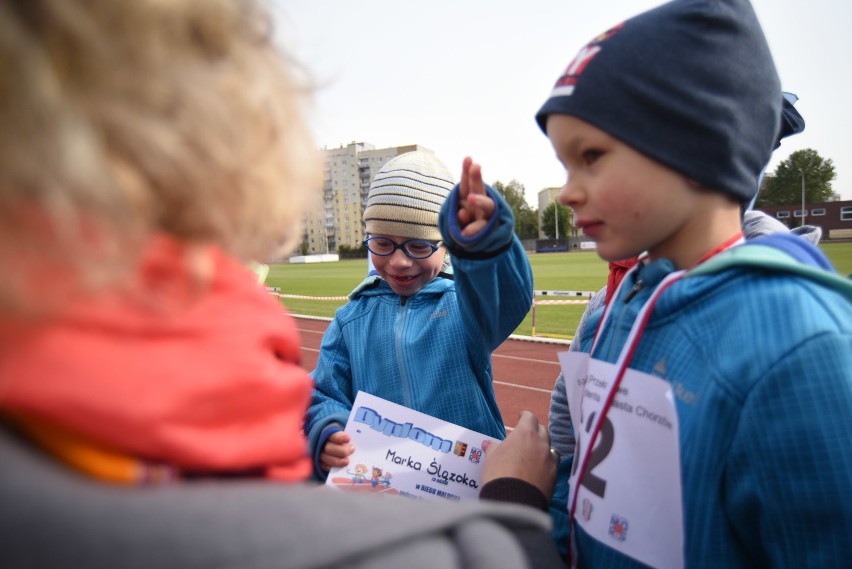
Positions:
(593, 483)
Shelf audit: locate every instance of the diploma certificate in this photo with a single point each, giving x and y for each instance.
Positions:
(402, 451)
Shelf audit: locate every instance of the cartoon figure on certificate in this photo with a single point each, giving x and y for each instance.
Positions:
(361, 478)
(359, 474)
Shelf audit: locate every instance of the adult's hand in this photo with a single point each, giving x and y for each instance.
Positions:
(524, 454)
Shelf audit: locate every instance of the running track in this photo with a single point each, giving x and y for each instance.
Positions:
(524, 370)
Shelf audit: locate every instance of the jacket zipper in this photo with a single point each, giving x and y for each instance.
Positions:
(399, 340)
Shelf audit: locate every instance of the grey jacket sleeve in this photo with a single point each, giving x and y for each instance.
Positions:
(757, 223)
(561, 433)
(50, 517)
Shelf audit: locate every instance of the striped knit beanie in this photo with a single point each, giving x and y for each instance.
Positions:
(406, 196)
(690, 84)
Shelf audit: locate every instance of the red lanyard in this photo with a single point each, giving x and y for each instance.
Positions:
(735, 240)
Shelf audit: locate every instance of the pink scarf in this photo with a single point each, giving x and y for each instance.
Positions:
(211, 385)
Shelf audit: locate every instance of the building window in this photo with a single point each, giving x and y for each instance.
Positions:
(782, 214)
(818, 211)
(846, 213)
(800, 213)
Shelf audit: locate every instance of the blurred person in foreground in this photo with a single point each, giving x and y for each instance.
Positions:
(151, 397)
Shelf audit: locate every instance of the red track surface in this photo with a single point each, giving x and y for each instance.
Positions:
(524, 370)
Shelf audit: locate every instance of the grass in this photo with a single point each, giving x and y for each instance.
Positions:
(840, 255)
(581, 271)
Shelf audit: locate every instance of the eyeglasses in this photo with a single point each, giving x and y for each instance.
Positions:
(413, 248)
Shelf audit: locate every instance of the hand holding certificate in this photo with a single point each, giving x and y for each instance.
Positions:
(526, 454)
(402, 451)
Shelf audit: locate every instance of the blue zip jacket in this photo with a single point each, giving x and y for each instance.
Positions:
(760, 355)
(431, 351)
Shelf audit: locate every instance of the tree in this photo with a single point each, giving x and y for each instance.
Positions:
(784, 186)
(549, 217)
(352, 252)
(527, 226)
(526, 218)
(513, 193)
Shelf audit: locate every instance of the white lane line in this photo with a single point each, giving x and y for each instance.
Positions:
(551, 362)
(305, 330)
(505, 383)
(527, 387)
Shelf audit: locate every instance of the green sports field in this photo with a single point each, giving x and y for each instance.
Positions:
(583, 271)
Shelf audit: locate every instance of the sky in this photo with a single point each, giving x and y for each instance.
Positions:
(466, 77)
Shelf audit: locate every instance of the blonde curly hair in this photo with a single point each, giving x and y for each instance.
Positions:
(120, 119)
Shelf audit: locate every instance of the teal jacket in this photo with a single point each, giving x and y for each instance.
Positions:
(763, 345)
(430, 351)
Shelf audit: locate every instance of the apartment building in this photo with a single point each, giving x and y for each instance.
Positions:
(349, 169)
(545, 197)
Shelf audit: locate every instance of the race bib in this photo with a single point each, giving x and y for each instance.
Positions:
(629, 497)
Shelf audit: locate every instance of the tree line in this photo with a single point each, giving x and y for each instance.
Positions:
(556, 218)
(803, 171)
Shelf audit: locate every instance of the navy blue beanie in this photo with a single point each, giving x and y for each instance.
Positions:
(691, 84)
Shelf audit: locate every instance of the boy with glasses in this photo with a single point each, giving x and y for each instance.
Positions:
(420, 333)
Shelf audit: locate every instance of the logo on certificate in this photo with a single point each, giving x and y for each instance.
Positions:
(618, 528)
(460, 448)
